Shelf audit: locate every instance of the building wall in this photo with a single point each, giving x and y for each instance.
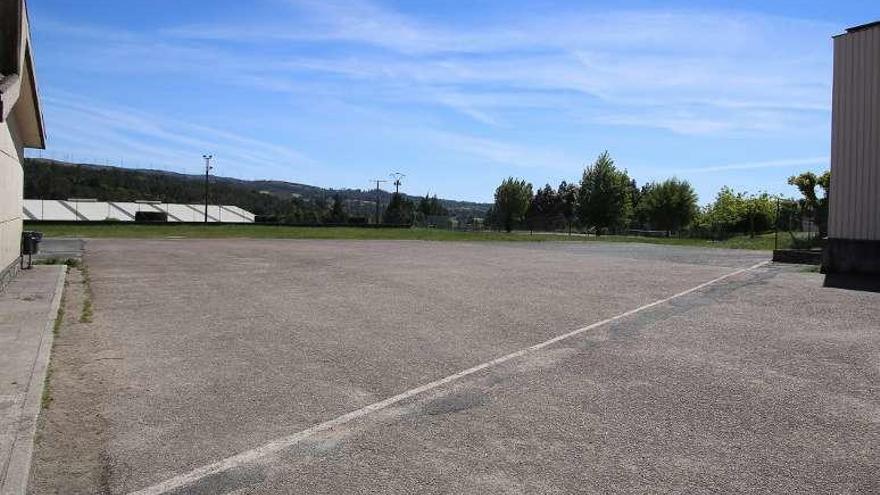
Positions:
(855, 142)
(11, 177)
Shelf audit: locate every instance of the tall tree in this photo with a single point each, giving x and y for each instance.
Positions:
(635, 195)
(431, 206)
(568, 196)
(811, 204)
(545, 210)
(604, 199)
(669, 205)
(399, 211)
(512, 200)
(491, 218)
(337, 212)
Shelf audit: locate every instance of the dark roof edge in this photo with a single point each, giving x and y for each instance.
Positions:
(861, 27)
(35, 94)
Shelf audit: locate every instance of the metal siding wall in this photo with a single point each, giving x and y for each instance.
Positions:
(836, 203)
(871, 186)
(855, 139)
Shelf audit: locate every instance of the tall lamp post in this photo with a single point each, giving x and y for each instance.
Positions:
(397, 182)
(207, 171)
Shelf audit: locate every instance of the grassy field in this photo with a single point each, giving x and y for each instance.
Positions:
(134, 231)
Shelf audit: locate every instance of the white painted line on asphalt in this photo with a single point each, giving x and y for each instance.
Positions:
(279, 444)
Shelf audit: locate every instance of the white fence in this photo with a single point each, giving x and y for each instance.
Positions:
(74, 210)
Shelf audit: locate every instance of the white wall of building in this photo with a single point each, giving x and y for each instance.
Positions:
(21, 125)
(11, 185)
(125, 211)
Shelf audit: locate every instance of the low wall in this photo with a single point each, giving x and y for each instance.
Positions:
(851, 256)
(797, 256)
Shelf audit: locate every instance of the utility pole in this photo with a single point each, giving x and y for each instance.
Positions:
(377, 181)
(207, 171)
(397, 176)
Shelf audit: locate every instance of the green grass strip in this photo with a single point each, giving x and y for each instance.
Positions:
(257, 231)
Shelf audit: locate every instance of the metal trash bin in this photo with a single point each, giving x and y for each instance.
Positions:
(30, 245)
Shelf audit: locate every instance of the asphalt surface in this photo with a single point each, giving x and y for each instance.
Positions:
(763, 382)
(59, 249)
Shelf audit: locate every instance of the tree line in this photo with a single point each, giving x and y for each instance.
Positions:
(401, 210)
(47, 180)
(607, 201)
(44, 179)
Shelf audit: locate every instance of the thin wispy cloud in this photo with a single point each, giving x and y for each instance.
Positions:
(603, 62)
(819, 161)
(499, 152)
(629, 59)
(110, 131)
(503, 86)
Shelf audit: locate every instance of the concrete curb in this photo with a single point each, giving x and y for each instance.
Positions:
(18, 470)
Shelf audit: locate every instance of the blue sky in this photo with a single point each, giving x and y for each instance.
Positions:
(456, 95)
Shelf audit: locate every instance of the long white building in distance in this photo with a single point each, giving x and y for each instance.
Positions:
(88, 210)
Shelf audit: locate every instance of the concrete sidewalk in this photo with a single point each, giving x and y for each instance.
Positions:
(28, 308)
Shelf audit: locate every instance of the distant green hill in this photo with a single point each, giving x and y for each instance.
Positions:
(287, 201)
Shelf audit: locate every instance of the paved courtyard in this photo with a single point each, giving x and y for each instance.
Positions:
(273, 366)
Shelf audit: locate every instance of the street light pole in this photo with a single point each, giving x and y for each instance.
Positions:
(207, 171)
(397, 176)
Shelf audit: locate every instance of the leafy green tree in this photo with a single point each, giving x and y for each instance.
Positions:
(399, 211)
(605, 196)
(760, 213)
(806, 184)
(725, 212)
(640, 213)
(670, 205)
(788, 217)
(568, 197)
(512, 200)
(734, 212)
(824, 182)
(635, 195)
(337, 211)
(545, 210)
(431, 206)
(812, 205)
(491, 218)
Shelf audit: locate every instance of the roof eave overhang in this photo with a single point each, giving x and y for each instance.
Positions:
(38, 140)
(10, 88)
(34, 135)
(859, 28)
